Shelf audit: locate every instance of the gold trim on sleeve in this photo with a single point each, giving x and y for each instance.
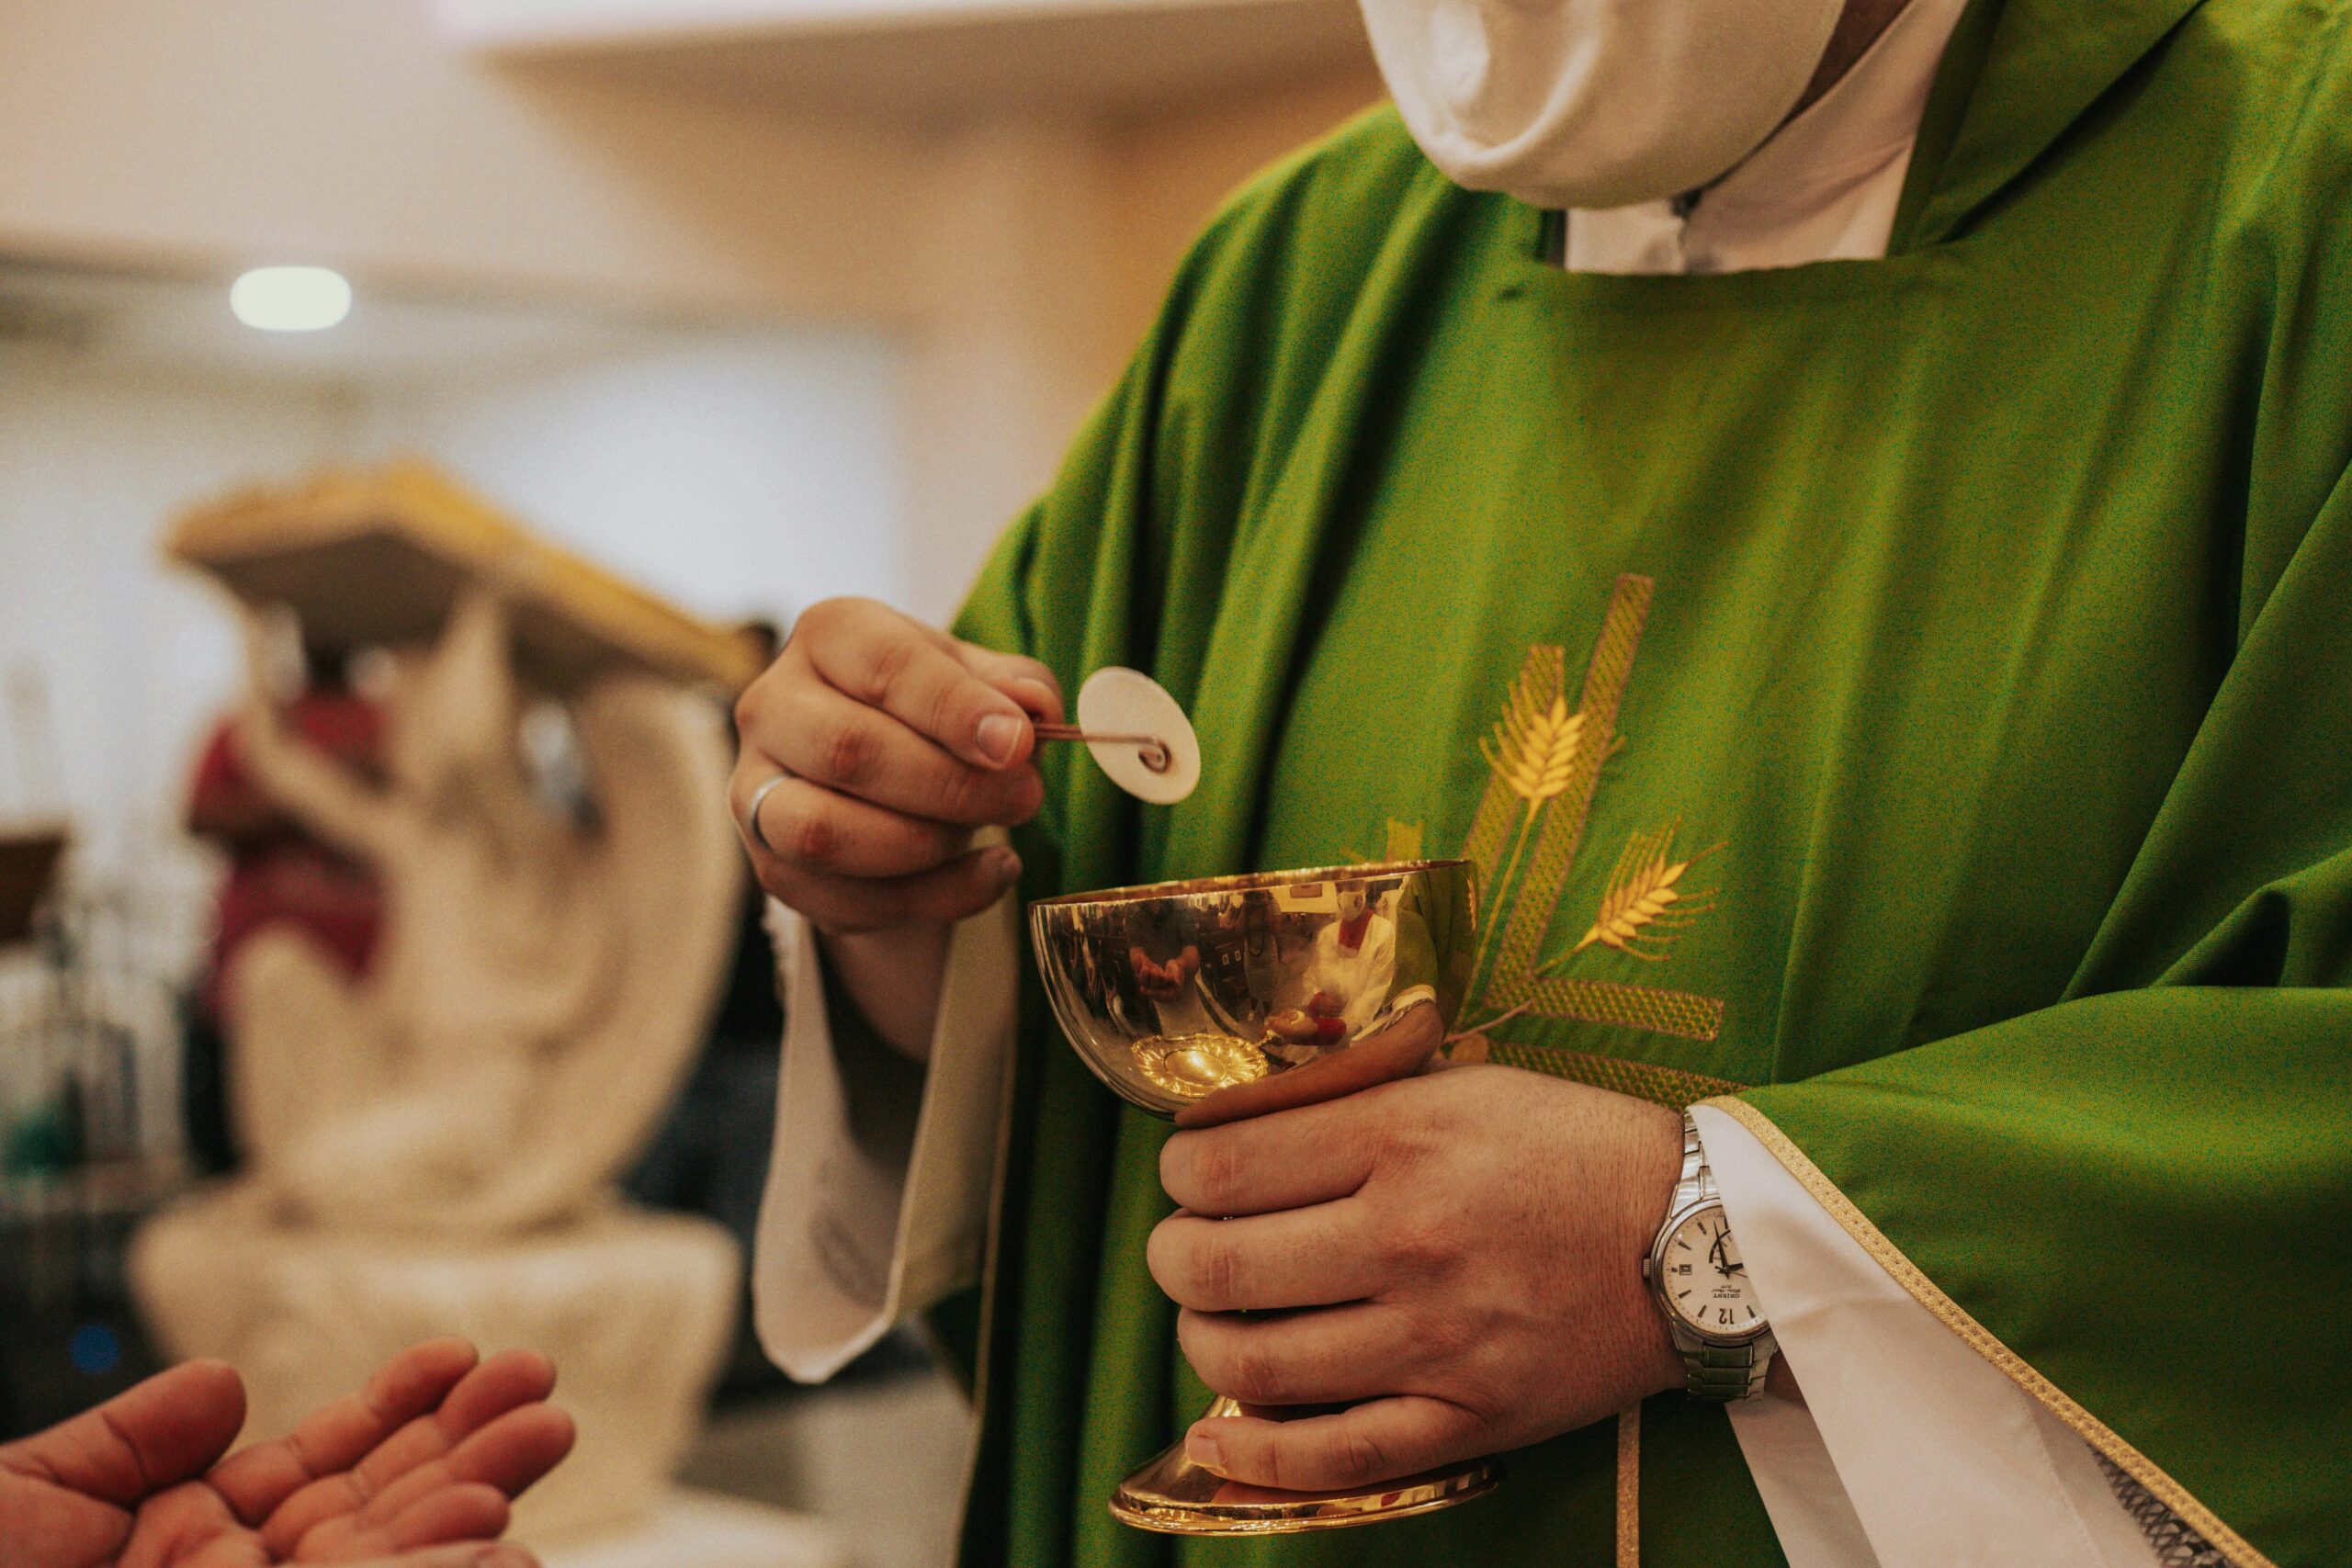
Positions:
(1629, 1487)
(2102, 1437)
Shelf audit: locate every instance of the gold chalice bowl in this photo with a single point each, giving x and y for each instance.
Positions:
(1273, 989)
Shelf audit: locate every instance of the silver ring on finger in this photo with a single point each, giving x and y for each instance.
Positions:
(752, 815)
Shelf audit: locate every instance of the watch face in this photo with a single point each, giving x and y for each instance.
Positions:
(1704, 1281)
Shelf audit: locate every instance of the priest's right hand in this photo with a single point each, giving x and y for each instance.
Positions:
(893, 743)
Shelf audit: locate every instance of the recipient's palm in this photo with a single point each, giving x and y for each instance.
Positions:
(428, 1453)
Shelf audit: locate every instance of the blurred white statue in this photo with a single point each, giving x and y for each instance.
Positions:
(433, 1147)
(541, 982)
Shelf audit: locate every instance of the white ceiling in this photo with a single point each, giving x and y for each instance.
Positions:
(922, 56)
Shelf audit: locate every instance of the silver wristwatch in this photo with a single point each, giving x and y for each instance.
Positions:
(1701, 1286)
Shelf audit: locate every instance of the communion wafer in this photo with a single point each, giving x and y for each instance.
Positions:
(1119, 701)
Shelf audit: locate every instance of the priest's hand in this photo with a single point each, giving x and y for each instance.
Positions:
(1455, 1258)
(893, 741)
(412, 1472)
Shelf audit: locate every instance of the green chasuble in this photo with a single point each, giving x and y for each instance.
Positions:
(1913, 696)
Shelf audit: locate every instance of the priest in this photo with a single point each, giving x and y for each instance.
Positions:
(1843, 511)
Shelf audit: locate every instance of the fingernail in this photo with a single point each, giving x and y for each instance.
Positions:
(1005, 867)
(997, 735)
(1202, 1451)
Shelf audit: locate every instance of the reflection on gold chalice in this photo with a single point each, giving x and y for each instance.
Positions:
(1175, 991)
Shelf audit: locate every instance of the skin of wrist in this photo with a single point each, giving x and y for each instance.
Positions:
(894, 978)
(1662, 1364)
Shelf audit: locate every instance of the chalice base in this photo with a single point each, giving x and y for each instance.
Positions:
(1174, 1496)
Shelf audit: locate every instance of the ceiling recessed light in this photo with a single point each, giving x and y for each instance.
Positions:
(290, 299)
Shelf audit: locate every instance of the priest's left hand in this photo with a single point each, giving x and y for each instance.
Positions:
(1456, 1258)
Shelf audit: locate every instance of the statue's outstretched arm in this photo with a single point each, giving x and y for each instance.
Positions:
(479, 700)
(475, 651)
(316, 790)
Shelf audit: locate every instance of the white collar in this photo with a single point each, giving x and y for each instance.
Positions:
(1822, 187)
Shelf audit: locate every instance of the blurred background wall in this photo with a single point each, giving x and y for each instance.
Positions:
(1005, 188)
(742, 472)
(765, 301)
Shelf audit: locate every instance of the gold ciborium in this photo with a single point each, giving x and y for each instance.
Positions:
(1268, 990)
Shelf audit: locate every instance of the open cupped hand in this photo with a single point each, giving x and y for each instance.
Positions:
(413, 1470)
(1455, 1258)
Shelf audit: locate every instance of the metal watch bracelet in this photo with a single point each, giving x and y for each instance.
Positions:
(1718, 1373)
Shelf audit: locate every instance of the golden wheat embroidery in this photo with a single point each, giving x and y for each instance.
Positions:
(1534, 746)
(1548, 756)
(1644, 902)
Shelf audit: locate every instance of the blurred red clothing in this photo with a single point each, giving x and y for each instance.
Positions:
(276, 871)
